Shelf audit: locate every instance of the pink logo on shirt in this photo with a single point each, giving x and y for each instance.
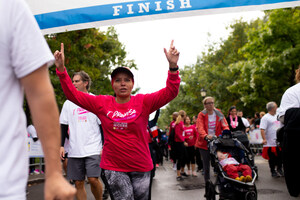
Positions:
(118, 116)
(80, 111)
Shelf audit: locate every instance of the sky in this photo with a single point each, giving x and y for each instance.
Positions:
(144, 42)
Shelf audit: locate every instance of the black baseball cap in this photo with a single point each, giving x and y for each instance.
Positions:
(125, 70)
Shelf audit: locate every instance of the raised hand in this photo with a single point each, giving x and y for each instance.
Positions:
(172, 55)
(60, 58)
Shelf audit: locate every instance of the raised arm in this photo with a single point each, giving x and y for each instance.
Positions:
(81, 99)
(158, 99)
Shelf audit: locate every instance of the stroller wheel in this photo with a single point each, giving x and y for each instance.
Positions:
(251, 195)
(210, 192)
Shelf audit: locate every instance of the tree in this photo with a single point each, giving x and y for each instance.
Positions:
(253, 66)
(272, 54)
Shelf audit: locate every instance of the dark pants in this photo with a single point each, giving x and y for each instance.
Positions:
(179, 154)
(275, 160)
(191, 152)
(206, 163)
(127, 185)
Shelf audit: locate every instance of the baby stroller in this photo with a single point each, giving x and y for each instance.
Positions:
(225, 187)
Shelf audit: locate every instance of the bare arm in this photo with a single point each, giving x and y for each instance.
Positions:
(43, 107)
(263, 135)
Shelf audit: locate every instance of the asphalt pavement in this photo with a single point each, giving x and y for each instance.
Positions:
(166, 187)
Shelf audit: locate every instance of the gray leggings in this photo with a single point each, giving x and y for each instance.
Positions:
(205, 156)
(127, 185)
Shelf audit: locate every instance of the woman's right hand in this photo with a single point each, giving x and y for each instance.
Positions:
(60, 58)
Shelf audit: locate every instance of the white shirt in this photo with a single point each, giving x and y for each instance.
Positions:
(270, 124)
(245, 122)
(212, 124)
(84, 131)
(228, 161)
(290, 99)
(23, 49)
(32, 132)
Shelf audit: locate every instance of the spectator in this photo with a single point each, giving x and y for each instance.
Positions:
(245, 121)
(235, 122)
(256, 120)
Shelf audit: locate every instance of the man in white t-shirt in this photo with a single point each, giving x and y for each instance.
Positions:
(85, 142)
(245, 121)
(268, 126)
(24, 61)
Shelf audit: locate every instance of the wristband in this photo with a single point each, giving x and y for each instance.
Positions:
(173, 69)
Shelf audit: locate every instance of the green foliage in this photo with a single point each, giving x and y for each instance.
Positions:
(253, 66)
(92, 51)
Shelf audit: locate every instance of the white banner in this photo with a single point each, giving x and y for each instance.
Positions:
(64, 15)
(34, 148)
(255, 137)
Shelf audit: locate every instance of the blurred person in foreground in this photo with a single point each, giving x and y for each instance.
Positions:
(24, 61)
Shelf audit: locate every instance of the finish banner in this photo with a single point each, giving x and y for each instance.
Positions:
(55, 16)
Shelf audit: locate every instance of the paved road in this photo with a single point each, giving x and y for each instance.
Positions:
(165, 186)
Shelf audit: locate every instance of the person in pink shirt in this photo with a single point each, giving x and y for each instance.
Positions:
(190, 138)
(180, 144)
(126, 162)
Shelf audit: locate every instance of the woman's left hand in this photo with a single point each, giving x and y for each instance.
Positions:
(172, 55)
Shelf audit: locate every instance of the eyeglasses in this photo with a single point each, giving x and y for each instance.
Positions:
(209, 103)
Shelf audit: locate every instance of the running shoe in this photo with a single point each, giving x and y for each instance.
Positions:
(184, 174)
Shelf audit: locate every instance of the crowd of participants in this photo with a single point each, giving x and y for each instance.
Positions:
(187, 139)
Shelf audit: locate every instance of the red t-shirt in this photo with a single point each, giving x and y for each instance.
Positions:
(179, 132)
(124, 125)
(190, 135)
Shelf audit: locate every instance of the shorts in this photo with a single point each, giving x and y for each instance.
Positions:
(127, 185)
(78, 168)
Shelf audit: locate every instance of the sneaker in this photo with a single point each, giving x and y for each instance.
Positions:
(184, 174)
(274, 174)
(194, 174)
(280, 172)
(179, 178)
(188, 172)
(105, 194)
(174, 167)
(36, 171)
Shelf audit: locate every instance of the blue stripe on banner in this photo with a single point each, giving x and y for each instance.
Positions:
(138, 8)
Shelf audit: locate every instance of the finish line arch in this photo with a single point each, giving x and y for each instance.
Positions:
(54, 16)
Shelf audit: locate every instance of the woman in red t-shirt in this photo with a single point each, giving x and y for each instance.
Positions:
(126, 162)
(180, 144)
(190, 138)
